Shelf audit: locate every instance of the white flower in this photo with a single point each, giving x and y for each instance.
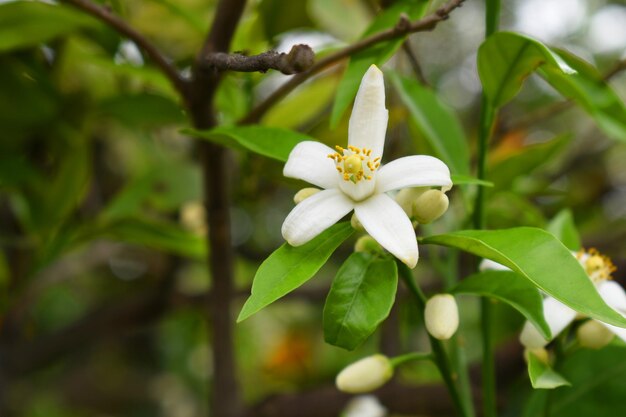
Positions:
(353, 179)
(441, 316)
(559, 316)
(365, 375)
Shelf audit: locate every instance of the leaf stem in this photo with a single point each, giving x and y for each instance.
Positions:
(487, 118)
(408, 357)
(439, 355)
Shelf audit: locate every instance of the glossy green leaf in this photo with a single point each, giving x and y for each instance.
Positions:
(458, 179)
(360, 298)
(542, 376)
(435, 121)
(513, 289)
(272, 142)
(591, 92)
(505, 59)
(377, 54)
(289, 267)
(542, 259)
(562, 226)
(25, 24)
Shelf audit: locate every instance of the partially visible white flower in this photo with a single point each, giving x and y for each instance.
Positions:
(441, 316)
(365, 406)
(365, 375)
(559, 316)
(353, 179)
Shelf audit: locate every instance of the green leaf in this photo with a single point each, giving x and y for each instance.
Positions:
(458, 179)
(562, 226)
(376, 55)
(591, 92)
(24, 23)
(513, 289)
(144, 109)
(542, 259)
(360, 298)
(271, 142)
(436, 122)
(542, 376)
(289, 267)
(505, 59)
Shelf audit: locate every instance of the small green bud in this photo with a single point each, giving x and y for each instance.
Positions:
(594, 335)
(305, 193)
(429, 206)
(367, 244)
(540, 353)
(365, 375)
(407, 196)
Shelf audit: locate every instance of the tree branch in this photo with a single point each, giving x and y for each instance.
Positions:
(402, 28)
(120, 26)
(299, 59)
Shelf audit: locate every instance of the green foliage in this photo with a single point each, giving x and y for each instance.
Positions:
(25, 24)
(435, 122)
(511, 288)
(542, 259)
(562, 226)
(377, 54)
(289, 267)
(272, 142)
(542, 376)
(360, 298)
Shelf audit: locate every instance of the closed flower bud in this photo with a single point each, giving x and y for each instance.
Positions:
(430, 206)
(540, 353)
(304, 193)
(367, 244)
(594, 335)
(365, 375)
(441, 316)
(407, 196)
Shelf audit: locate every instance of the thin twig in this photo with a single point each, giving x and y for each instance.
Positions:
(299, 59)
(105, 15)
(417, 68)
(402, 28)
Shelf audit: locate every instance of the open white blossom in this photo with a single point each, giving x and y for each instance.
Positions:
(353, 179)
(558, 315)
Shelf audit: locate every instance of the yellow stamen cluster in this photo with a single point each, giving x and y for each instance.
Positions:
(355, 164)
(599, 267)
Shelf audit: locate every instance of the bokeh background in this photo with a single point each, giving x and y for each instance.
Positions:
(103, 281)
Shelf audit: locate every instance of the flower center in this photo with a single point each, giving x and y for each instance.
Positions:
(598, 267)
(355, 164)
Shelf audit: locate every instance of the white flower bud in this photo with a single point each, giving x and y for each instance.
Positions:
(365, 375)
(531, 338)
(364, 406)
(429, 206)
(367, 244)
(441, 316)
(407, 196)
(594, 335)
(305, 193)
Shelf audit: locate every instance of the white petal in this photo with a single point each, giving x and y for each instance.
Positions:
(368, 121)
(314, 215)
(613, 294)
(412, 171)
(359, 191)
(309, 161)
(386, 222)
(557, 315)
(488, 264)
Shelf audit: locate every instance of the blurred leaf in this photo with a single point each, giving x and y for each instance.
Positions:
(360, 298)
(283, 15)
(511, 288)
(505, 172)
(29, 23)
(271, 142)
(194, 20)
(232, 99)
(589, 90)
(458, 179)
(155, 234)
(598, 388)
(289, 267)
(309, 100)
(505, 59)
(143, 109)
(343, 19)
(374, 55)
(436, 123)
(542, 376)
(562, 226)
(542, 259)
